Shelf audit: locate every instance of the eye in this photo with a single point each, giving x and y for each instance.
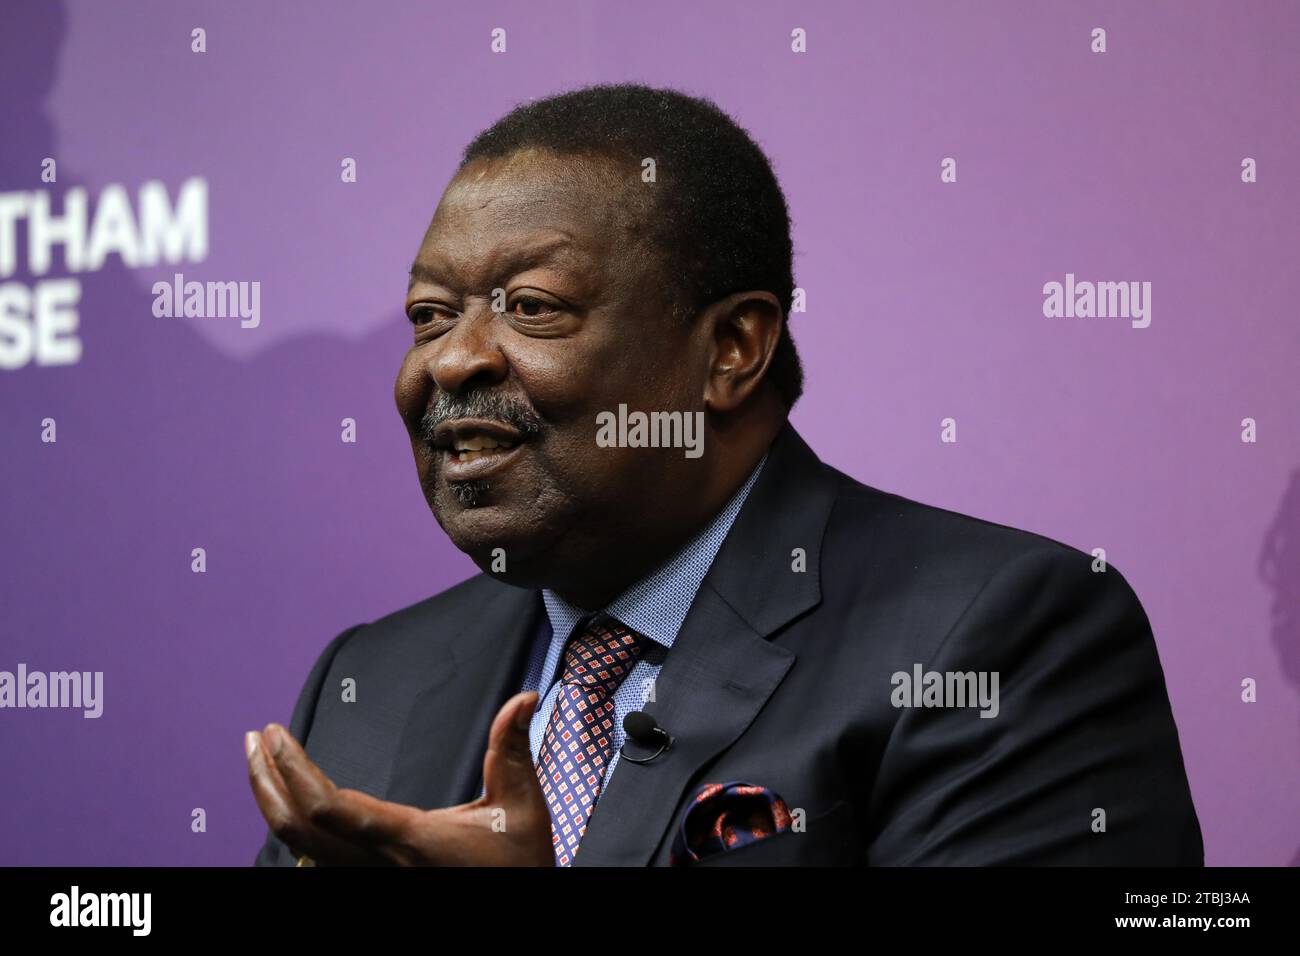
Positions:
(533, 307)
(422, 314)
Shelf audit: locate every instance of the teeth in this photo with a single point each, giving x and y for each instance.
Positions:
(469, 454)
(479, 443)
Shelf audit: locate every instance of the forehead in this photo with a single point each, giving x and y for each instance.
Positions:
(575, 184)
(532, 205)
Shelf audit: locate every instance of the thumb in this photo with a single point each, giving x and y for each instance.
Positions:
(508, 771)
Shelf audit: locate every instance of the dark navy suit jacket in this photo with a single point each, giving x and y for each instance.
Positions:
(782, 678)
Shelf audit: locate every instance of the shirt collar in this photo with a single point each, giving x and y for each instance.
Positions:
(657, 605)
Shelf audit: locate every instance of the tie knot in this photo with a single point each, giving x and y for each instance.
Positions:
(601, 654)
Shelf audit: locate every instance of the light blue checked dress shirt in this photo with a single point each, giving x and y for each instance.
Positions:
(655, 606)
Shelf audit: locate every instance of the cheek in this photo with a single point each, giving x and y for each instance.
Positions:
(570, 383)
(562, 380)
(412, 386)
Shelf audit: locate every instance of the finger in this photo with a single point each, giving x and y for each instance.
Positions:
(353, 823)
(308, 787)
(277, 806)
(357, 824)
(284, 815)
(271, 794)
(509, 774)
(359, 817)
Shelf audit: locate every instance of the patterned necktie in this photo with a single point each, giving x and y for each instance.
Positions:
(579, 738)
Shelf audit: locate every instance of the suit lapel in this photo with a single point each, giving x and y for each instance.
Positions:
(722, 667)
(439, 761)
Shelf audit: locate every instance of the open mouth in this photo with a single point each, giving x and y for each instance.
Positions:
(473, 447)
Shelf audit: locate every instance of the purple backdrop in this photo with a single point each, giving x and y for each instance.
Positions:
(924, 301)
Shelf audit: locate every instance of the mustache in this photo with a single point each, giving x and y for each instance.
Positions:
(493, 406)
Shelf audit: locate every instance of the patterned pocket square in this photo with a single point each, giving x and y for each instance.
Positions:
(724, 816)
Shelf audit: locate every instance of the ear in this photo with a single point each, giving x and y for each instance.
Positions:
(745, 328)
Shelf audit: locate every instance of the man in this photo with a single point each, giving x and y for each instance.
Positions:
(831, 674)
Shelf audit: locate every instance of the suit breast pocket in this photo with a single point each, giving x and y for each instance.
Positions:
(827, 839)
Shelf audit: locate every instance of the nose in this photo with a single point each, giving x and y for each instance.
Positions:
(469, 355)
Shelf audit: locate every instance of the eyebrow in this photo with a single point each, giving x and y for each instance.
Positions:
(514, 261)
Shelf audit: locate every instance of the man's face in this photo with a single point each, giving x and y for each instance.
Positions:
(501, 403)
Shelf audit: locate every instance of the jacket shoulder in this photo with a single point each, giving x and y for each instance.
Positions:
(884, 550)
(903, 529)
(458, 597)
(428, 625)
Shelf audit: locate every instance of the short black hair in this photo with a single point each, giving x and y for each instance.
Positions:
(721, 224)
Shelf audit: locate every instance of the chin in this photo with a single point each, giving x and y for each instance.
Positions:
(493, 535)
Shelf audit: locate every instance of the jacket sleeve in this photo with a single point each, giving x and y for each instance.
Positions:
(273, 852)
(1081, 764)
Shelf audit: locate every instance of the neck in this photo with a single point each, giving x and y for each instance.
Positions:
(739, 448)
